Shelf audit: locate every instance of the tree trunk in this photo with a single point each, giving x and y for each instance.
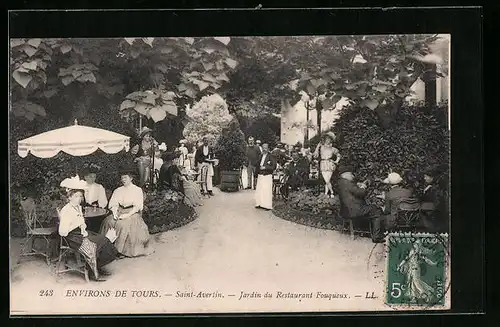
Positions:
(430, 87)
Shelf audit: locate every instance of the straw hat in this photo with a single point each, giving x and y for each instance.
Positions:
(331, 135)
(183, 141)
(74, 183)
(144, 131)
(393, 179)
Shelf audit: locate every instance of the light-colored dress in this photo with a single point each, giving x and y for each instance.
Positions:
(132, 232)
(95, 193)
(327, 163)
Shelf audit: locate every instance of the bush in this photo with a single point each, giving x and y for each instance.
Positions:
(310, 210)
(230, 148)
(266, 128)
(417, 139)
(317, 204)
(165, 210)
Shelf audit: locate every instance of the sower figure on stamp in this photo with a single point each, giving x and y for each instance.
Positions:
(253, 154)
(205, 157)
(264, 192)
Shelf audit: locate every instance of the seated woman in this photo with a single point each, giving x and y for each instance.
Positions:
(95, 194)
(97, 250)
(126, 205)
(172, 178)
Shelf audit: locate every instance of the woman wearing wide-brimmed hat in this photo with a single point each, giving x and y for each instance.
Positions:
(97, 249)
(329, 159)
(126, 205)
(144, 152)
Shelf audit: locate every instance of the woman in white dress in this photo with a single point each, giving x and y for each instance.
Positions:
(329, 159)
(95, 194)
(97, 250)
(126, 205)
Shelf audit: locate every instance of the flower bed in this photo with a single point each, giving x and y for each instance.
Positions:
(310, 210)
(166, 210)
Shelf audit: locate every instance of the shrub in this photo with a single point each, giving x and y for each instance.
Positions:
(230, 148)
(417, 139)
(165, 210)
(317, 204)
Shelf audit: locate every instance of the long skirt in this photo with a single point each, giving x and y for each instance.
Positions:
(97, 250)
(192, 193)
(244, 177)
(264, 191)
(133, 237)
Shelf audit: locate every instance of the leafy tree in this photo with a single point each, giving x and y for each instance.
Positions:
(231, 147)
(207, 117)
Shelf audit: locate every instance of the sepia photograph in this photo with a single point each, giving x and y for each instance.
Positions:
(229, 174)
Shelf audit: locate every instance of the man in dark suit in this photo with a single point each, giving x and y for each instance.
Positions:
(297, 172)
(392, 204)
(265, 169)
(253, 154)
(432, 203)
(352, 196)
(204, 157)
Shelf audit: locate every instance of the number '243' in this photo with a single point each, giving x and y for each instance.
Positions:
(46, 293)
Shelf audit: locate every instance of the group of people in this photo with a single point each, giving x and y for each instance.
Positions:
(177, 168)
(400, 196)
(123, 233)
(297, 163)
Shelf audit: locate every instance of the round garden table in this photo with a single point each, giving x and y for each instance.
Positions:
(94, 217)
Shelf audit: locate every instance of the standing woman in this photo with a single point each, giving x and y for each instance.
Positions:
(329, 159)
(126, 205)
(97, 250)
(144, 152)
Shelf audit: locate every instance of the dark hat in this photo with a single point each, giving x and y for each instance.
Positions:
(345, 169)
(91, 169)
(169, 156)
(127, 170)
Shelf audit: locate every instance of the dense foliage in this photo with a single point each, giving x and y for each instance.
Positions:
(308, 209)
(231, 147)
(265, 128)
(417, 140)
(207, 117)
(165, 210)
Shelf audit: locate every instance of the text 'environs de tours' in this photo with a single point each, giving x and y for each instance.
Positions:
(207, 295)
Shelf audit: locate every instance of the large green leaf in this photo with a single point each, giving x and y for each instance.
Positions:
(88, 77)
(148, 41)
(130, 40)
(157, 114)
(22, 78)
(30, 65)
(29, 50)
(65, 48)
(66, 80)
(370, 103)
(50, 93)
(170, 107)
(35, 108)
(142, 108)
(16, 42)
(224, 40)
(127, 104)
(231, 63)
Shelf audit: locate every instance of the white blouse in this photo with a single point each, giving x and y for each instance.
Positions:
(96, 192)
(70, 218)
(127, 196)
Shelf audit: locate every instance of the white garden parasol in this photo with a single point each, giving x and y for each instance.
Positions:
(74, 140)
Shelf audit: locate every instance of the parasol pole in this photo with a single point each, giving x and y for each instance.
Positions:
(76, 165)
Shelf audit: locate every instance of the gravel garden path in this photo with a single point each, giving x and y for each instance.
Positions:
(231, 248)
